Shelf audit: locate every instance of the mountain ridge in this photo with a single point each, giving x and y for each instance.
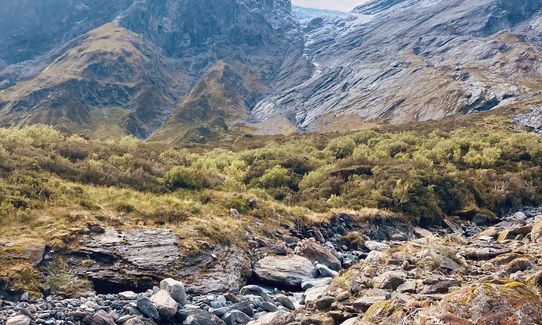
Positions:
(388, 61)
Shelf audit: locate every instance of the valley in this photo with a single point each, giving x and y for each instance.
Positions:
(231, 162)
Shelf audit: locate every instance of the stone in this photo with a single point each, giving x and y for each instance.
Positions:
(269, 307)
(236, 317)
(408, 287)
(19, 320)
(245, 307)
(285, 271)
(375, 246)
(364, 303)
(175, 289)
(326, 271)
(148, 309)
(254, 290)
(323, 303)
(439, 287)
(276, 318)
(314, 293)
(128, 295)
(166, 306)
(234, 213)
(389, 280)
(101, 318)
(284, 301)
(422, 233)
(319, 254)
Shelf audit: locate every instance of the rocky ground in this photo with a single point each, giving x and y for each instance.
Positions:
(469, 272)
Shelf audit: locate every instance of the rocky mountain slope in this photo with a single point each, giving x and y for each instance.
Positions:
(416, 60)
(167, 47)
(389, 60)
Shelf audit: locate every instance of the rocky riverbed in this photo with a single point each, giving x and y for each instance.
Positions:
(468, 272)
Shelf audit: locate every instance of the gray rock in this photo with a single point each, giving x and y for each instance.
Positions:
(389, 280)
(128, 295)
(175, 290)
(101, 318)
(440, 287)
(166, 306)
(146, 306)
(285, 301)
(319, 254)
(269, 307)
(407, 287)
(245, 307)
(363, 303)
(285, 271)
(255, 290)
(375, 246)
(236, 317)
(19, 320)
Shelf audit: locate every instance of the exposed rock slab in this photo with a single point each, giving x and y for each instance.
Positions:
(285, 271)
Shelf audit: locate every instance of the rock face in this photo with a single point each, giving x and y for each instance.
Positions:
(285, 271)
(138, 259)
(318, 253)
(391, 59)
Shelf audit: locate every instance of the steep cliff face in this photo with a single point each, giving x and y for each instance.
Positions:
(407, 60)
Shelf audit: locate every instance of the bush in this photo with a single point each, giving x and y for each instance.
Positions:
(341, 148)
(275, 177)
(187, 178)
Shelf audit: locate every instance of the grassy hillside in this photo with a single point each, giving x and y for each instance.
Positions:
(52, 186)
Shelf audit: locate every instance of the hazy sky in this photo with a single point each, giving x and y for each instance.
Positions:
(343, 5)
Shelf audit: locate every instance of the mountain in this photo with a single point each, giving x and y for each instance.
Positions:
(126, 68)
(406, 60)
(197, 70)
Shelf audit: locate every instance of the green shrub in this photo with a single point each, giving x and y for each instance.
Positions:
(275, 177)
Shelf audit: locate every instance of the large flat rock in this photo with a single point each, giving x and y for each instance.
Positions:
(285, 271)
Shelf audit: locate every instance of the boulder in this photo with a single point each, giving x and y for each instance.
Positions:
(276, 318)
(439, 287)
(175, 289)
(166, 306)
(255, 290)
(389, 280)
(285, 271)
(364, 303)
(408, 287)
(101, 318)
(236, 317)
(317, 253)
(285, 301)
(375, 246)
(148, 309)
(19, 320)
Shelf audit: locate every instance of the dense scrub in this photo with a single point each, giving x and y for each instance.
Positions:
(424, 174)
